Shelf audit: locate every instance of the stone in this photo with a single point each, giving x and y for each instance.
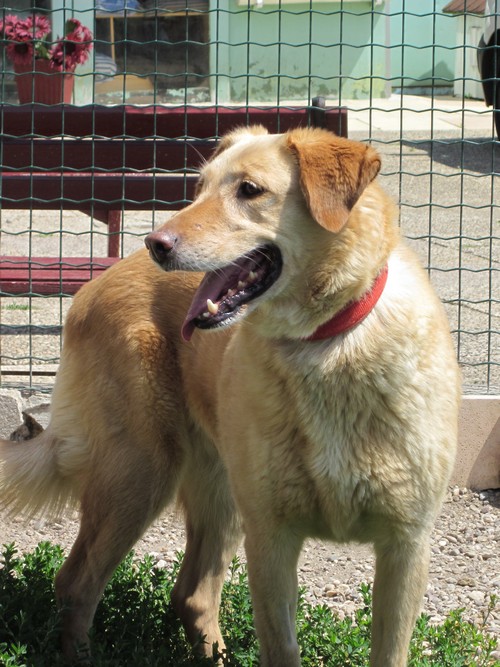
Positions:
(466, 581)
(29, 429)
(476, 596)
(10, 411)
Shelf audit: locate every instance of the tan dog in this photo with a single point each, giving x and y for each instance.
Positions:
(332, 400)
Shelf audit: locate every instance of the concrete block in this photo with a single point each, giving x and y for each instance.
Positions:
(478, 456)
(10, 411)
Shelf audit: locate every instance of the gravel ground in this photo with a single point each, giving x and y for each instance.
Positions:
(464, 572)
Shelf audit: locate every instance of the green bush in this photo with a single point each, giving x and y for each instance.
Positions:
(135, 624)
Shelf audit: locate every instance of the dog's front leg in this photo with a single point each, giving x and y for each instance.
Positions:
(213, 534)
(272, 569)
(400, 583)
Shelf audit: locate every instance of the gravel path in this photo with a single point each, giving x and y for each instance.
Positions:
(464, 572)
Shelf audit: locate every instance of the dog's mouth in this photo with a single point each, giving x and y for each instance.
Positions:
(222, 293)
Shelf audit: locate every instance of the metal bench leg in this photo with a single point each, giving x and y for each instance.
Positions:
(114, 223)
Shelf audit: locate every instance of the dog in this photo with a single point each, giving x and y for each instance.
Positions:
(278, 361)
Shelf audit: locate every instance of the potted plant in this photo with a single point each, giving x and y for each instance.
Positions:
(44, 69)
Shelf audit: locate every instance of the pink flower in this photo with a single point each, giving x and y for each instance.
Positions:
(21, 53)
(66, 55)
(26, 41)
(42, 26)
(24, 32)
(73, 49)
(79, 32)
(10, 27)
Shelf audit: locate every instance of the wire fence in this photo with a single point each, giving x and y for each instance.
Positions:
(408, 76)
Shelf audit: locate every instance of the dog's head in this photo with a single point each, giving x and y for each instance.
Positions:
(261, 200)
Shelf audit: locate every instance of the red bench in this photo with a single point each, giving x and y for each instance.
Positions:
(105, 160)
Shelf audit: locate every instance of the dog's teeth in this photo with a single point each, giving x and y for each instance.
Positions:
(212, 307)
(231, 292)
(241, 285)
(205, 315)
(252, 276)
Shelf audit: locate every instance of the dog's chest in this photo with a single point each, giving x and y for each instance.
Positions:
(336, 422)
(352, 440)
(327, 445)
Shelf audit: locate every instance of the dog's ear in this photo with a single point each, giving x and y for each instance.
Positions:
(333, 173)
(236, 135)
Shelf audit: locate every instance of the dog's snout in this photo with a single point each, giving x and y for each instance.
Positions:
(160, 245)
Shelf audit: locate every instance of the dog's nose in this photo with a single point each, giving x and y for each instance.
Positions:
(160, 245)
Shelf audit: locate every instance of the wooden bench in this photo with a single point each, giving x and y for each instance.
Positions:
(106, 160)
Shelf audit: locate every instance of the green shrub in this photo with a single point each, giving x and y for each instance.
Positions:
(135, 625)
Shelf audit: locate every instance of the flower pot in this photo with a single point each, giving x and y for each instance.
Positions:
(42, 84)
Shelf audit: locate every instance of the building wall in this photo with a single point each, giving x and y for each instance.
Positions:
(469, 29)
(345, 57)
(423, 41)
(366, 51)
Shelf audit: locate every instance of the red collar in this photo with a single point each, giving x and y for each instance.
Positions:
(354, 312)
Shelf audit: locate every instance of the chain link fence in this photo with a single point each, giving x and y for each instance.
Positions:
(407, 74)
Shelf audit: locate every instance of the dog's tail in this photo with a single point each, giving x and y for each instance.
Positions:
(32, 476)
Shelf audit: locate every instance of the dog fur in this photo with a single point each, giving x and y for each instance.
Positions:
(351, 438)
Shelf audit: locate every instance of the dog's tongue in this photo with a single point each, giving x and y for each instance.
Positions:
(211, 287)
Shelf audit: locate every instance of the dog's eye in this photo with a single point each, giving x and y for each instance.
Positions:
(198, 187)
(249, 189)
